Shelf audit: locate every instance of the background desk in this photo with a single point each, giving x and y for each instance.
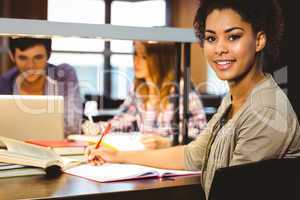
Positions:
(72, 187)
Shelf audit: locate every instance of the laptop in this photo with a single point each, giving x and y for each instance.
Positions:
(25, 117)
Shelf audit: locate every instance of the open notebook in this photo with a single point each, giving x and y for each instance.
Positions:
(116, 172)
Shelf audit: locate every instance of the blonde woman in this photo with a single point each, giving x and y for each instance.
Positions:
(150, 104)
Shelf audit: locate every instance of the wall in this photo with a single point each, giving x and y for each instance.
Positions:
(289, 51)
(24, 9)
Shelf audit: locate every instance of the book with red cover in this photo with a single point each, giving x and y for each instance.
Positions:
(62, 147)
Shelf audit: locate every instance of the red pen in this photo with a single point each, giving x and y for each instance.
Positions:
(105, 132)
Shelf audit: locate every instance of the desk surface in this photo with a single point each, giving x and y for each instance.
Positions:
(72, 187)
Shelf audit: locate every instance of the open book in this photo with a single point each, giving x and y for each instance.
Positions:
(116, 172)
(12, 170)
(22, 153)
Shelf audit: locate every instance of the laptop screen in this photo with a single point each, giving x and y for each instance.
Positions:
(26, 117)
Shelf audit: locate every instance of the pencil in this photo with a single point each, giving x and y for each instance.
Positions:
(105, 132)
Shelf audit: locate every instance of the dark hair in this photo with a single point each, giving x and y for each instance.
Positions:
(24, 43)
(262, 15)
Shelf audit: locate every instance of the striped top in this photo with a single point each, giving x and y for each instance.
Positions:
(136, 116)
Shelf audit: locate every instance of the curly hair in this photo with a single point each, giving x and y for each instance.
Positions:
(265, 15)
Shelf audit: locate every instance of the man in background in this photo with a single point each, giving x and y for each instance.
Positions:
(33, 75)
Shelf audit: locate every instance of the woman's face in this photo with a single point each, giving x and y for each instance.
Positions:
(140, 62)
(230, 44)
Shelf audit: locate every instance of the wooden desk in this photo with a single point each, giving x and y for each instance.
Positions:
(72, 187)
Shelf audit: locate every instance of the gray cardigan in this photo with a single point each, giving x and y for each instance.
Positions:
(265, 127)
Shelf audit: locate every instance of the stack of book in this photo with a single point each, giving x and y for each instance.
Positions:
(65, 148)
(23, 159)
(12, 170)
(62, 147)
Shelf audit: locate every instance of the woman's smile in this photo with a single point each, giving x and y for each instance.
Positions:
(224, 64)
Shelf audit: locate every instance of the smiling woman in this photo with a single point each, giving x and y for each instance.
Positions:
(231, 45)
(255, 121)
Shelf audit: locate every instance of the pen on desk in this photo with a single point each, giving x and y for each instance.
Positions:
(105, 132)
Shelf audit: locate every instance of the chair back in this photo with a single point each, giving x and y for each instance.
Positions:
(269, 179)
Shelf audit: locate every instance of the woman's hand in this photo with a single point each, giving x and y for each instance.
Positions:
(155, 141)
(90, 128)
(101, 155)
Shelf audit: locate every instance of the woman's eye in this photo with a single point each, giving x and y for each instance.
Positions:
(210, 39)
(234, 37)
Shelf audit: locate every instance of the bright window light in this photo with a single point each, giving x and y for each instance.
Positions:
(77, 44)
(79, 11)
(89, 69)
(144, 13)
(86, 55)
(88, 62)
(122, 75)
(123, 46)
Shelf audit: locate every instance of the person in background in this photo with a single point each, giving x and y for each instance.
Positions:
(33, 75)
(255, 120)
(150, 104)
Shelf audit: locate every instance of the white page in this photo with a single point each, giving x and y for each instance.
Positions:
(124, 141)
(21, 159)
(69, 162)
(3, 163)
(120, 140)
(110, 172)
(27, 149)
(113, 172)
(10, 166)
(172, 172)
(26, 171)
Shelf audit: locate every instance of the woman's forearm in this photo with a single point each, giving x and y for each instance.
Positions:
(170, 158)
